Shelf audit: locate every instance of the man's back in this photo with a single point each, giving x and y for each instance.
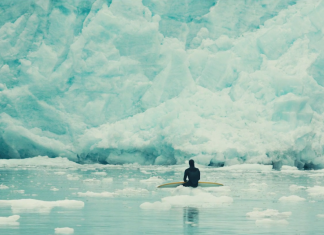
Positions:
(193, 175)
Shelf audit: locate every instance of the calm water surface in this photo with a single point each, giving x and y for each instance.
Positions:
(254, 187)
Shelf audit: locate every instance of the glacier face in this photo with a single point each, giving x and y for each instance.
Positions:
(162, 81)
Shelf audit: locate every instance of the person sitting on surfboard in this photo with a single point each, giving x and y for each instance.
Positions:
(193, 174)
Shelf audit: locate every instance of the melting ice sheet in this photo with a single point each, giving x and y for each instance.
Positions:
(158, 82)
(123, 199)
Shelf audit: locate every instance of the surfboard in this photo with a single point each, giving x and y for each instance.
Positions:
(200, 184)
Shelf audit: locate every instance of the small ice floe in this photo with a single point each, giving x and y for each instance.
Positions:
(39, 206)
(91, 181)
(107, 180)
(268, 213)
(54, 189)
(268, 217)
(152, 180)
(320, 215)
(2, 186)
(131, 179)
(131, 191)
(99, 173)
(258, 185)
(65, 230)
(155, 206)
(93, 194)
(185, 197)
(269, 222)
(292, 198)
(59, 173)
(19, 191)
(119, 192)
(11, 220)
(72, 177)
(295, 187)
(315, 191)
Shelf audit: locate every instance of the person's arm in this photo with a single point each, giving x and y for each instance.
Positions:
(185, 176)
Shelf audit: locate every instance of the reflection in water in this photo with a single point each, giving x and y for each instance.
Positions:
(190, 220)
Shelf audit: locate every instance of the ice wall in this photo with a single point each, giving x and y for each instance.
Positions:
(162, 81)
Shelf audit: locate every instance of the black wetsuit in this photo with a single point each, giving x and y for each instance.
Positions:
(193, 174)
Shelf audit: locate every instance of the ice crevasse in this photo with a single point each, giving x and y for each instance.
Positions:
(159, 82)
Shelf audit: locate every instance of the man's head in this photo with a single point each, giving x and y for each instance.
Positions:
(191, 163)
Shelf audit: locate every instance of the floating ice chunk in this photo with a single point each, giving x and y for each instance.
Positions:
(155, 206)
(152, 180)
(292, 198)
(19, 191)
(315, 191)
(38, 206)
(59, 173)
(271, 222)
(99, 173)
(224, 189)
(119, 192)
(107, 180)
(269, 213)
(39, 161)
(72, 177)
(11, 220)
(247, 167)
(131, 191)
(295, 187)
(54, 189)
(2, 186)
(65, 230)
(258, 185)
(320, 215)
(92, 194)
(91, 181)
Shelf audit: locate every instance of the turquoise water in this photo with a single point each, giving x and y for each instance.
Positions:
(248, 187)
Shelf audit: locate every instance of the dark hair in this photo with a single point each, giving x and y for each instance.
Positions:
(191, 163)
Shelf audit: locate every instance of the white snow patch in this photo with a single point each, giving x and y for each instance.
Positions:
(320, 215)
(38, 206)
(292, 198)
(54, 189)
(65, 230)
(59, 173)
(11, 220)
